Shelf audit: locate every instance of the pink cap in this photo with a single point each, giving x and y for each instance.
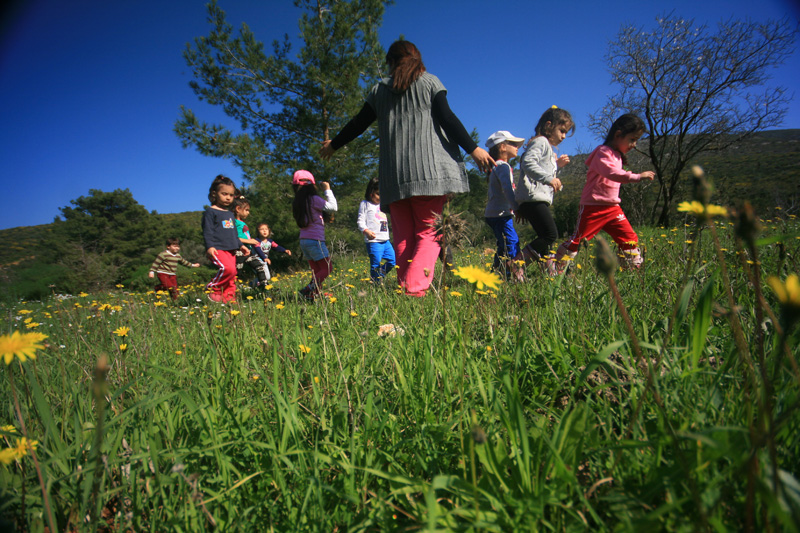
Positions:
(301, 177)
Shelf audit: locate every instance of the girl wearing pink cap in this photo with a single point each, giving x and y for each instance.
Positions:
(308, 208)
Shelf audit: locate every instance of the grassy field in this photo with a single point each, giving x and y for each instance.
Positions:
(664, 399)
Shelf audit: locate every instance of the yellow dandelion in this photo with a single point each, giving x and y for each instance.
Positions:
(316, 379)
(788, 293)
(21, 345)
(159, 304)
(123, 347)
(32, 325)
(279, 306)
(455, 293)
(304, 348)
(122, 331)
(24, 445)
(353, 314)
(8, 429)
(83, 295)
(8, 455)
(235, 312)
(249, 297)
(332, 299)
(480, 278)
(24, 311)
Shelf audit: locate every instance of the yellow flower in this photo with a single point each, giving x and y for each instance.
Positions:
(479, 277)
(268, 287)
(279, 306)
(249, 297)
(178, 352)
(788, 293)
(353, 314)
(316, 379)
(23, 445)
(21, 345)
(8, 429)
(83, 295)
(7, 456)
(698, 210)
(120, 285)
(122, 331)
(31, 325)
(234, 312)
(304, 348)
(24, 311)
(455, 293)
(123, 347)
(159, 304)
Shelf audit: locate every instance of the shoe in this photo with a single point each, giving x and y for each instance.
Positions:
(307, 293)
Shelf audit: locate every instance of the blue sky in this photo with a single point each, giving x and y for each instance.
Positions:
(91, 89)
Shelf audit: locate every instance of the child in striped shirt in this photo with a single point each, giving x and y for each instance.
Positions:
(166, 265)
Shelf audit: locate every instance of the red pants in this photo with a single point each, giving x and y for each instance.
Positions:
(415, 241)
(224, 283)
(592, 219)
(320, 270)
(168, 282)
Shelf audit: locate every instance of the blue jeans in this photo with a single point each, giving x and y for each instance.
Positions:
(507, 240)
(380, 251)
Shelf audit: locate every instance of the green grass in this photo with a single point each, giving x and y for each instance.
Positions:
(528, 408)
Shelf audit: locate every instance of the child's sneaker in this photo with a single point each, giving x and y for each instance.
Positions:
(307, 293)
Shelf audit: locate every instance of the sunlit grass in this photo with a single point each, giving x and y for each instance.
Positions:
(506, 407)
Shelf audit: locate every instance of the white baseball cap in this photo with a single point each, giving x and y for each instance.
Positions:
(503, 136)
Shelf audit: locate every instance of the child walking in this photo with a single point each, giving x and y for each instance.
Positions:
(538, 182)
(222, 241)
(599, 207)
(266, 244)
(308, 208)
(501, 204)
(166, 266)
(256, 260)
(373, 224)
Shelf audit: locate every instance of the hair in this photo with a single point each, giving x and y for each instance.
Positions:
(373, 186)
(627, 123)
(494, 151)
(556, 117)
(405, 64)
(239, 201)
(258, 227)
(173, 240)
(215, 185)
(301, 206)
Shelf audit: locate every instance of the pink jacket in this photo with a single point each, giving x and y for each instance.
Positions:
(604, 176)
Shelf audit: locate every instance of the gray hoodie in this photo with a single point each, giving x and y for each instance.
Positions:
(537, 170)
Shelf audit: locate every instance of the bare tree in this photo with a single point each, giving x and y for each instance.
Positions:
(697, 90)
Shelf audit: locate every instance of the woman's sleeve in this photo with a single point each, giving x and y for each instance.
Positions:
(453, 127)
(357, 125)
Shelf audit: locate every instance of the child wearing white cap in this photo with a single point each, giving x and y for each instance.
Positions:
(501, 204)
(537, 182)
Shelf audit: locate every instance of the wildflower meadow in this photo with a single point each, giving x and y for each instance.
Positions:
(663, 399)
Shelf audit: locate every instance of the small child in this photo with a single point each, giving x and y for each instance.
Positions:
(266, 244)
(501, 204)
(374, 225)
(256, 261)
(166, 266)
(599, 208)
(308, 208)
(538, 182)
(222, 241)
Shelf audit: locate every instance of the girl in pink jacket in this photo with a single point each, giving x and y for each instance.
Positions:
(599, 209)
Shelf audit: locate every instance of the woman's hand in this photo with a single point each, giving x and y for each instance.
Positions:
(327, 150)
(483, 159)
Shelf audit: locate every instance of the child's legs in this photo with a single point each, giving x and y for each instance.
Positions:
(321, 269)
(591, 220)
(416, 240)
(387, 253)
(224, 283)
(375, 252)
(506, 237)
(258, 267)
(619, 228)
(168, 282)
(543, 223)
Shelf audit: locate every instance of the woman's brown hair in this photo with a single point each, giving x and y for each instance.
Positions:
(405, 63)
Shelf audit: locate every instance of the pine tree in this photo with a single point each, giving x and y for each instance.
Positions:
(286, 104)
